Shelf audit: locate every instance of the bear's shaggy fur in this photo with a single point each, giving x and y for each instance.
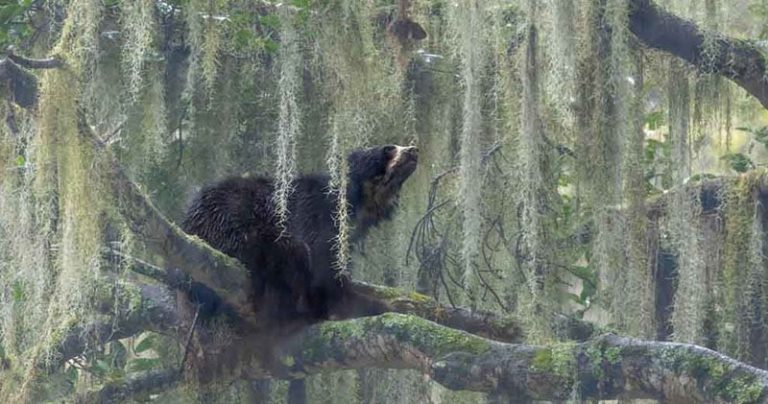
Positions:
(291, 267)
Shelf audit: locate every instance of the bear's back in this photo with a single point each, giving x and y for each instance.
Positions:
(237, 216)
(226, 213)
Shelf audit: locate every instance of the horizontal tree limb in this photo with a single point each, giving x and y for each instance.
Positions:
(30, 63)
(737, 60)
(486, 324)
(607, 367)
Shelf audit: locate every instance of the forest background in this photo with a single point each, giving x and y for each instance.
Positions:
(588, 169)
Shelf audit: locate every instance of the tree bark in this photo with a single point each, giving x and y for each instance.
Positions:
(141, 385)
(735, 59)
(139, 309)
(607, 367)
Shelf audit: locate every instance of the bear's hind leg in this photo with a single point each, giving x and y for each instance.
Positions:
(284, 266)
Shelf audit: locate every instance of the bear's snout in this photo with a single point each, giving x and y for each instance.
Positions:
(411, 152)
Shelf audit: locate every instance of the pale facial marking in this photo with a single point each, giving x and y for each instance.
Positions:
(398, 155)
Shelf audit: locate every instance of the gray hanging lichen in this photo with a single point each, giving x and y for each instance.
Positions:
(561, 70)
(544, 150)
(138, 26)
(684, 212)
(471, 50)
(602, 104)
(289, 118)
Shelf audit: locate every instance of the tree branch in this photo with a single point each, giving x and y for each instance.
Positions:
(138, 309)
(155, 381)
(486, 324)
(192, 260)
(734, 59)
(224, 275)
(21, 83)
(29, 63)
(607, 367)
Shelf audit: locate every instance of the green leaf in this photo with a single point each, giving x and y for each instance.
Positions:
(142, 364)
(588, 290)
(574, 297)
(118, 355)
(702, 177)
(270, 21)
(300, 3)
(20, 161)
(147, 343)
(71, 374)
(654, 119)
(17, 291)
(271, 46)
(584, 273)
(738, 161)
(100, 368)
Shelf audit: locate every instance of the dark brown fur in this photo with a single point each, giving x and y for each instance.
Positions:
(291, 268)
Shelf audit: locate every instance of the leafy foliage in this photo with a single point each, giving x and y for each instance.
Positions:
(738, 162)
(15, 23)
(526, 200)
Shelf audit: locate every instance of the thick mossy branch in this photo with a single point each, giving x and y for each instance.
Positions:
(486, 324)
(710, 191)
(506, 328)
(222, 274)
(607, 367)
(735, 59)
(389, 340)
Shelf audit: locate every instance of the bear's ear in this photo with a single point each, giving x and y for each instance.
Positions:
(361, 159)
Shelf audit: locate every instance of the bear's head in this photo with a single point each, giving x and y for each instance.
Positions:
(376, 175)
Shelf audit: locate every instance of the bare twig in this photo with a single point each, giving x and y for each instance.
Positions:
(189, 339)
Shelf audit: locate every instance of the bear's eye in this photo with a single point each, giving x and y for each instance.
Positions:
(389, 151)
